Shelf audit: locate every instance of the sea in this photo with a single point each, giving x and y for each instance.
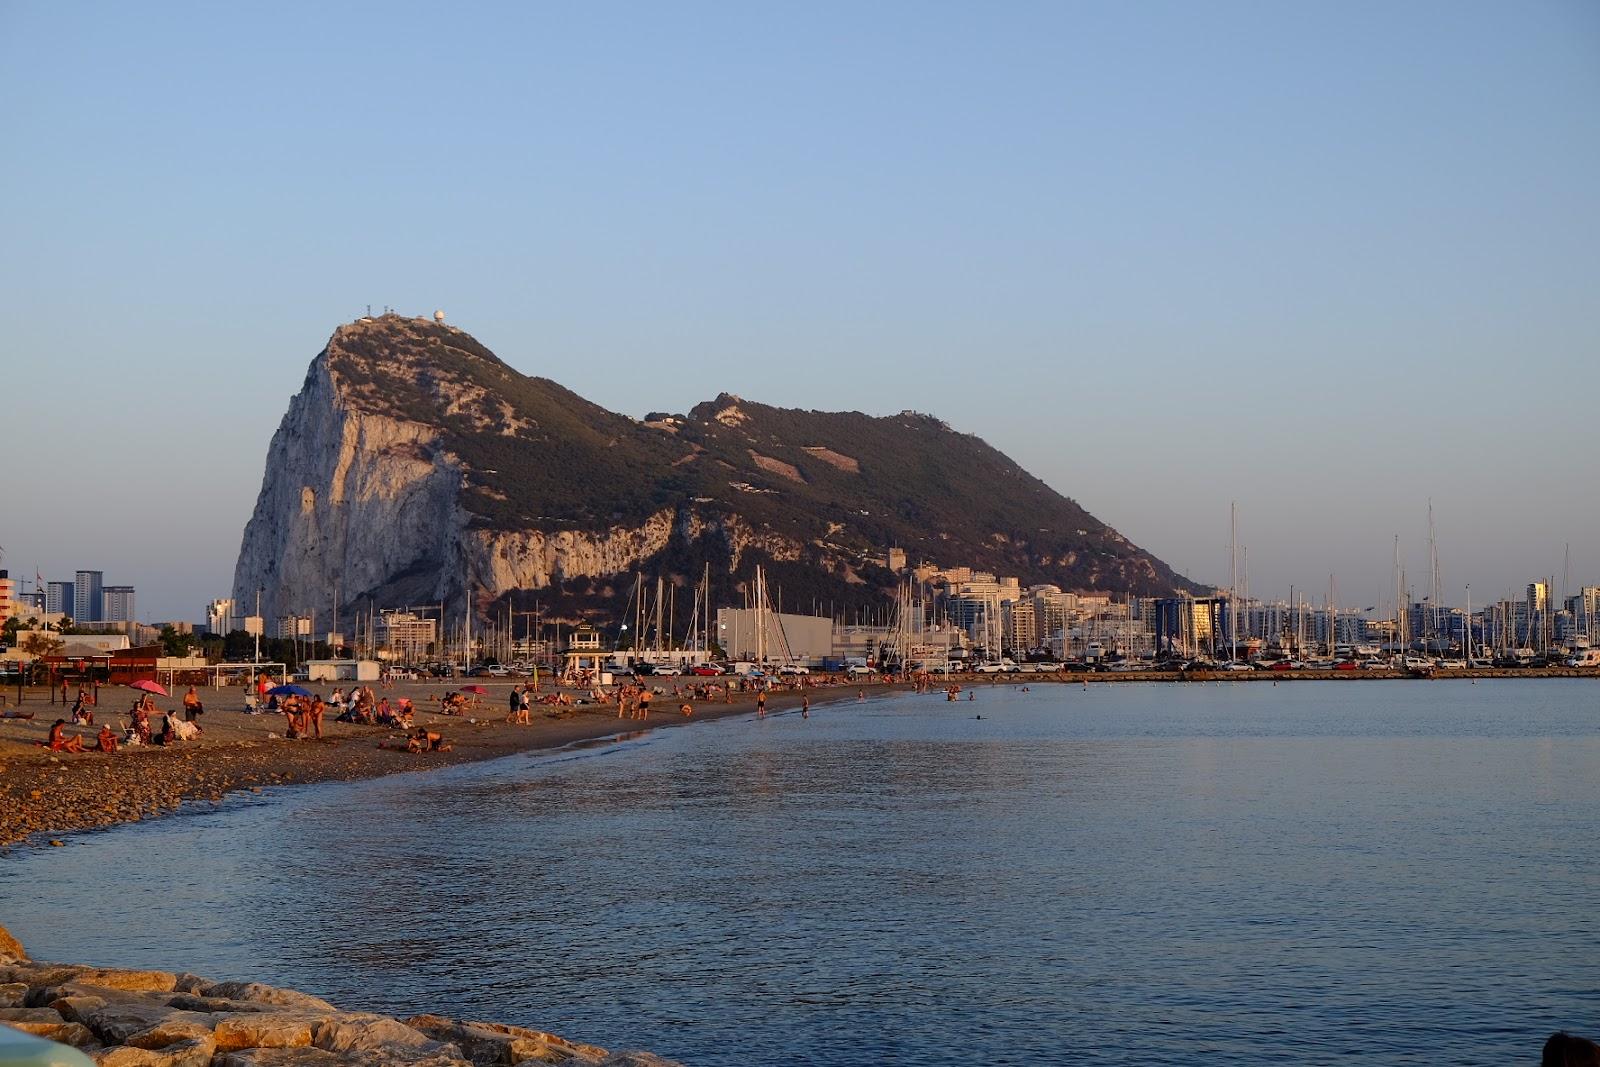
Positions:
(1361, 872)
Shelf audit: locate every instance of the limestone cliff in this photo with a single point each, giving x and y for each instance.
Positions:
(414, 464)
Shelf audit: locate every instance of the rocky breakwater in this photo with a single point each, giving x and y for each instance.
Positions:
(131, 1018)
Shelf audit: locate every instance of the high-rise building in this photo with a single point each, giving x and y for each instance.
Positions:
(1539, 628)
(58, 597)
(408, 634)
(220, 617)
(1585, 609)
(1018, 620)
(8, 592)
(116, 604)
(86, 596)
(292, 626)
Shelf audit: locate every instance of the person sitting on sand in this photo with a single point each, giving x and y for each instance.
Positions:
(141, 723)
(82, 716)
(107, 741)
(687, 710)
(61, 741)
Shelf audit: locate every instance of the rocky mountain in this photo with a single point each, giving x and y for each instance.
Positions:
(414, 464)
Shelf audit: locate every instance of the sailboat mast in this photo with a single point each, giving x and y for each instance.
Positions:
(1233, 588)
(1397, 594)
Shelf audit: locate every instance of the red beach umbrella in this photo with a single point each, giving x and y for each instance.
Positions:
(474, 689)
(149, 687)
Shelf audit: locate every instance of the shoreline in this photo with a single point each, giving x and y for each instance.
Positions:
(46, 793)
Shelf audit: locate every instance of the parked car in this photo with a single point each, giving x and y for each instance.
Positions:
(859, 671)
(667, 670)
(707, 670)
(794, 669)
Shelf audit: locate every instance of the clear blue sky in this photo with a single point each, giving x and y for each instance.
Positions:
(1329, 260)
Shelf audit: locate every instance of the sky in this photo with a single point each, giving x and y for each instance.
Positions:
(1329, 261)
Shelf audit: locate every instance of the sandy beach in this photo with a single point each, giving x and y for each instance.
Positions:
(44, 793)
(47, 793)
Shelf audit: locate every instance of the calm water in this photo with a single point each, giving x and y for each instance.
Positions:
(1369, 873)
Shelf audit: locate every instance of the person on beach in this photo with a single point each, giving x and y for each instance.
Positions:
(687, 710)
(61, 741)
(291, 714)
(192, 708)
(426, 740)
(805, 706)
(107, 741)
(314, 716)
(81, 715)
(141, 723)
(761, 704)
(644, 703)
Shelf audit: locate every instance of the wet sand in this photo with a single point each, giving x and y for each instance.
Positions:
(46, 793)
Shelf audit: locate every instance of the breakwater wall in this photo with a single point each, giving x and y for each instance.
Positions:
(136, 1018)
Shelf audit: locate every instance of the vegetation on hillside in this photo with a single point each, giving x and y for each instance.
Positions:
(844, 485)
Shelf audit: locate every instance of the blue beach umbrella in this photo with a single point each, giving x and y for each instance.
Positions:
(289, 691)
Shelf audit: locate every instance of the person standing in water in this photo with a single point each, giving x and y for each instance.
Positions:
(805, 706)
(761, 704)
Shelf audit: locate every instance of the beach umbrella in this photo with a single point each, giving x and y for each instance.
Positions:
(149, 687)
(480, 690)
(289, 691)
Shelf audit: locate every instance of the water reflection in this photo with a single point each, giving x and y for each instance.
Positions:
(1164, 873)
